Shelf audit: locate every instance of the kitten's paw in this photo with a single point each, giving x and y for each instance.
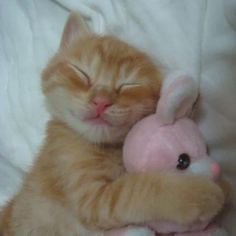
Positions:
(194, 198)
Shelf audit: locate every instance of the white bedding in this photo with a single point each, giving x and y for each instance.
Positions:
(195, 37)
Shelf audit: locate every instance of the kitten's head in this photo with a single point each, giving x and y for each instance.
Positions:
(99, 86)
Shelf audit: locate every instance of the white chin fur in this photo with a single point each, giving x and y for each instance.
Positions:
(101, 133)
(98, 133)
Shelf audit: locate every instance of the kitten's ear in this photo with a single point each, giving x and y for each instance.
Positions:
(75, 28)
(177, 98)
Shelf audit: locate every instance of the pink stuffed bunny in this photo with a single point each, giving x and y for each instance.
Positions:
(166, 142)
(177, 147)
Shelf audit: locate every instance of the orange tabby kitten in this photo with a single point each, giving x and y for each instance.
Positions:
(96, 88)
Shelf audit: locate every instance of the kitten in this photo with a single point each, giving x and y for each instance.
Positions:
(96, 88)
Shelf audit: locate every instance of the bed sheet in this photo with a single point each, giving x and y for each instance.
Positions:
(194, 37)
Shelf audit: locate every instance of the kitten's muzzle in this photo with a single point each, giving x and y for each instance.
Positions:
(101, 104)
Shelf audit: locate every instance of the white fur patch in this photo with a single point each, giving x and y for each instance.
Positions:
(140, 232)
(201, 167)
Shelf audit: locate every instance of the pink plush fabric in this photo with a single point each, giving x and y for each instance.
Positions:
(152, 146)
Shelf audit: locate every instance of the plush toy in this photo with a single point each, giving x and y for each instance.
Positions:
(164, 141)
(177, 147)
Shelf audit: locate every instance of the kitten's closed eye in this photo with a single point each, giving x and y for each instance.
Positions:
(136, 92)
(81, 74)
(125, 86)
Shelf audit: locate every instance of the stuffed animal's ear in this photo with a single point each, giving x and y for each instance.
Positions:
(177, 98)
(75, 28)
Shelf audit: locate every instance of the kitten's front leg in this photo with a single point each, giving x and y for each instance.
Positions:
(104, 203)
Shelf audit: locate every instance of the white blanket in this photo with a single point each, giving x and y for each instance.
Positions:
(196, 37)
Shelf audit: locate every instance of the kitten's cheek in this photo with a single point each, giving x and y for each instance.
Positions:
(117, 121)
(76, 114)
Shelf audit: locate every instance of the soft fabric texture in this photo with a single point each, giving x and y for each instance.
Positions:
(195, 37)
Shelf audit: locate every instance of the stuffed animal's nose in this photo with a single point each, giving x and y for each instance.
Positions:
(101, 104)
(215, 170)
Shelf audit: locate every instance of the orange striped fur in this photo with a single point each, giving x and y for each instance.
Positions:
(78, 185)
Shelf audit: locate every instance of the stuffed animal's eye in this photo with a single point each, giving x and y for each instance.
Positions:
(183, 161)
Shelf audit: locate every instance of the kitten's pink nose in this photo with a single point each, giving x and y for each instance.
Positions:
(101, 104)
(215, 170)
